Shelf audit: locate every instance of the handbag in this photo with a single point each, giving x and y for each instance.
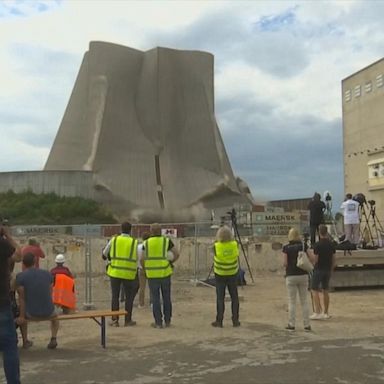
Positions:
(303, 261)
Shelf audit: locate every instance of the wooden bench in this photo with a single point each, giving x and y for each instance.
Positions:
(94, 315)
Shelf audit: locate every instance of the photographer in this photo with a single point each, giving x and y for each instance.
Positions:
(316, 209)
(9, 254)
(351, 218)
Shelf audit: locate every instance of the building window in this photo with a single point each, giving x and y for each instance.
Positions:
(376, 173)
(379, 80)
(375, 170)
(368, 87)
(348, 95)
(357, 91)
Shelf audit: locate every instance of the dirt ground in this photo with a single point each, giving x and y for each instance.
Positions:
(348, 348)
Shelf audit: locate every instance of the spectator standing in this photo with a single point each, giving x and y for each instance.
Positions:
(296, 280)
(325, 262)
(9, 253)
(121, 250)
(316, 209)
(34, 287)
(159, 254)
(34, 248)
(226, 269)
(350, 209)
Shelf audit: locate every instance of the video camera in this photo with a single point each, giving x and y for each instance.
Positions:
(327, 196)
(306, 237)
(360, 198)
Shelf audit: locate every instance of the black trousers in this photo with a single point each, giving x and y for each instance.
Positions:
(221, 283)
(314, 229)
(130, 289)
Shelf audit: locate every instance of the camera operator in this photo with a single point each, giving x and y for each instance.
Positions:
(9, 254)
(351, 219)
(316, 209)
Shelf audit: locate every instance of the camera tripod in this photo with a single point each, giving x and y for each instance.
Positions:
(366, 232)
(328, 207)
(329, 219)
(235, 228)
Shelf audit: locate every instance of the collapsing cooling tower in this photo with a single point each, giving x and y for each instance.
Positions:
(144, 124)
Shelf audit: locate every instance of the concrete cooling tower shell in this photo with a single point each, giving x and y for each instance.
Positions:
(144, 124)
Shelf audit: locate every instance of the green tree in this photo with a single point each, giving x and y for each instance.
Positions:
(28, 208)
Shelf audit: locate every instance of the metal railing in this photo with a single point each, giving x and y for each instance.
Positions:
(82, 246)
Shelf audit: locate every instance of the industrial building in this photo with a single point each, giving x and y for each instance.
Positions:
(140, 133)
(363, 138)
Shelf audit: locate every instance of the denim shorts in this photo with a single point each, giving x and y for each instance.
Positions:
(320, 280)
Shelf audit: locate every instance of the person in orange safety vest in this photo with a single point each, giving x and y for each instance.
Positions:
(63, 292)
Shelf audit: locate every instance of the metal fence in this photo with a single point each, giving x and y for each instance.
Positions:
(82, 246)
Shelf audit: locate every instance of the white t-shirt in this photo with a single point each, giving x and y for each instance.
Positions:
(351, 212)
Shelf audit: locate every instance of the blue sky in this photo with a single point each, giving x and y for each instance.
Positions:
(278, 72)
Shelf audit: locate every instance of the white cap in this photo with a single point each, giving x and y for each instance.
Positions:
(60, 259)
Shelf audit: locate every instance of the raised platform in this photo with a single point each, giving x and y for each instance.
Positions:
(361, 268)
(360, 256)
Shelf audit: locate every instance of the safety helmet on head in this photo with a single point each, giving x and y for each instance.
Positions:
(60, 259)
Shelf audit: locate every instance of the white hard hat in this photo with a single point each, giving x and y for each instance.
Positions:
(60, 258)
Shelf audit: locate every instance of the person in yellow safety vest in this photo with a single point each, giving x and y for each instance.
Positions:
(121, 250)
(159, 254)
(226, 268)
(63, 292)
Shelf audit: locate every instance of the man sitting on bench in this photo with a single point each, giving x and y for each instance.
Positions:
(34, 287)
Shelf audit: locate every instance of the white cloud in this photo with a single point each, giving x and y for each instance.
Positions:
(20, 155)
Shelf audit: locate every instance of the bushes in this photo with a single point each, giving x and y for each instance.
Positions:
(50, 209)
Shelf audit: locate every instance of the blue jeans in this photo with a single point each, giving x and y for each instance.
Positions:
(163, 285)
(8, 346)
